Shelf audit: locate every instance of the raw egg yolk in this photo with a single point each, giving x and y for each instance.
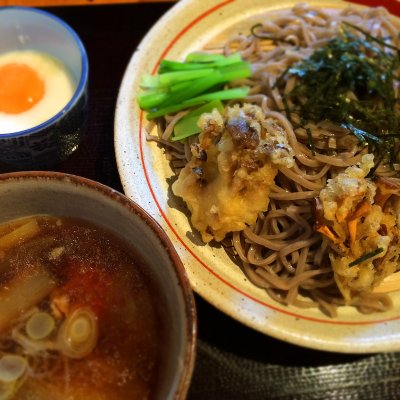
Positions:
(20, 88)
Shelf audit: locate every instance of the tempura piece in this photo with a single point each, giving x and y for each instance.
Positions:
(363, 230)
(227, 182)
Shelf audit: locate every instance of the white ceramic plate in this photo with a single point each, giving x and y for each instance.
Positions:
(144, 172)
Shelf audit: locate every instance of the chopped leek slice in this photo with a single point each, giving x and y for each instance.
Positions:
(12, 367)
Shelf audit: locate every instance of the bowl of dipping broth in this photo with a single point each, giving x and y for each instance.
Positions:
(43, 88)
(94, 300)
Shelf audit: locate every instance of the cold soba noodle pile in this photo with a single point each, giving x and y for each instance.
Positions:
(301, 175)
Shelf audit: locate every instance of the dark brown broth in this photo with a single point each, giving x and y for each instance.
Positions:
(95, 269)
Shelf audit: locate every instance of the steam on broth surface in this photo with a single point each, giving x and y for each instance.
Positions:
(77, 314)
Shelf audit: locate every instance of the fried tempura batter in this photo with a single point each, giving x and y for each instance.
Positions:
(227, 182)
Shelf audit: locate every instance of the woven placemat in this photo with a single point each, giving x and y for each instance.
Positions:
(221, 375)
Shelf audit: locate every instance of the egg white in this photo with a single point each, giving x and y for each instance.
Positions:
(59, 89)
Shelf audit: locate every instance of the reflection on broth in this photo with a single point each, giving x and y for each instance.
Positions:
(77, 317)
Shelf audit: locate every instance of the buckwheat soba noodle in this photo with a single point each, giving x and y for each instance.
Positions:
(300, 177)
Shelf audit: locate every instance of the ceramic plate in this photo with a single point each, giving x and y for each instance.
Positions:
(144, 173)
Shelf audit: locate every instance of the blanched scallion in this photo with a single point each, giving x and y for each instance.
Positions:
(227, 94)
(152, 99)
(187, 126)
(199, 79)
(197, 87)
(199, 61)
(200, 57)
(169, 78)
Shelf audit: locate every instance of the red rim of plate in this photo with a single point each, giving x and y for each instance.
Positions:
(391, 6)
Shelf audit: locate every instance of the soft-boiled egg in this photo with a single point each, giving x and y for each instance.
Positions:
(33, 88)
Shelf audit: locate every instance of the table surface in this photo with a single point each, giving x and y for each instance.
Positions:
(233, 361)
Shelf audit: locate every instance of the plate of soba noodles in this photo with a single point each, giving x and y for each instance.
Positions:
(264, 139)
